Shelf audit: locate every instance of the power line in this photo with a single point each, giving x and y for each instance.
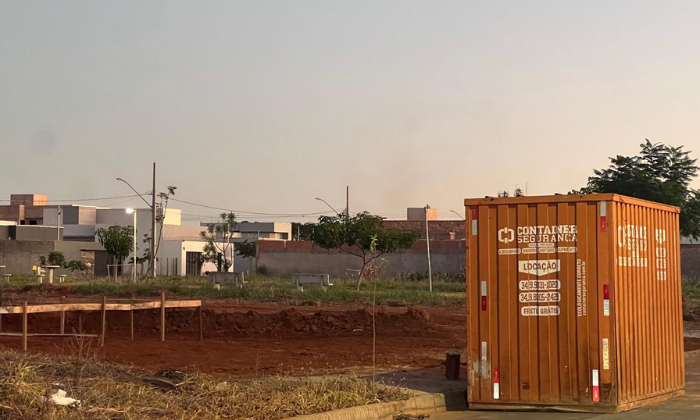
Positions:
(240, 213)
(76, 199)
(262, 219)
(240, 216)
(118, 202)
(253, 213)
(91, 199)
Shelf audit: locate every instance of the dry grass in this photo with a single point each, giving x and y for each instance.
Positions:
(114, 392)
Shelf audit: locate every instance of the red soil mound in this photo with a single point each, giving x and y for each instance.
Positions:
(234, 323)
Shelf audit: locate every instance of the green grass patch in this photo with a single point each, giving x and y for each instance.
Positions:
(691, 290)
(268, 289)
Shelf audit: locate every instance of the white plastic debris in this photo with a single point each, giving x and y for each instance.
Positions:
(59, 398)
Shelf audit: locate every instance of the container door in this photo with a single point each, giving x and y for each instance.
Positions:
(532, 304)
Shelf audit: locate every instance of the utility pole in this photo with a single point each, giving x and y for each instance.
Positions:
(153, 222)
(347, 201)
(58, 222)
(133, 269)
(133, 274)
(152, 257)
(427, 244)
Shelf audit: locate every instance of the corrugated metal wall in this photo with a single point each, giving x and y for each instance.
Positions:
(648, 307)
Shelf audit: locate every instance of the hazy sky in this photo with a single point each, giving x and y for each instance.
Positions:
(262, 106)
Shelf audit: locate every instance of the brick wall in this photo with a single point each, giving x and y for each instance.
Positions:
(447, 256)
(690, 262)
(438, 229)
(292, 257)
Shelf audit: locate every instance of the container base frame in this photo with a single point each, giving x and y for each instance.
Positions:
(609, 409)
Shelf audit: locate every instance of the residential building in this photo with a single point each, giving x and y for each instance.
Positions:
(259, 230)
(254, 231)
(77, 222)
(22, 246)
(437, 229)
(179, 247)
(31, 233)
(264, 230)
(421, 214)
(24, 209)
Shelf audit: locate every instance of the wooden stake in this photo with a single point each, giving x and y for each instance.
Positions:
(63, 318)
(201, 325)
(0, 322)
(104, 321)
(24, 326)
(162, 316)
(132, 325)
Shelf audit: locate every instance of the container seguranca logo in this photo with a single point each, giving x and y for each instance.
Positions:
(541, 239)
(506, 235)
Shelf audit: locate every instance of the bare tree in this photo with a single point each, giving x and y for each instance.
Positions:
(219, 241)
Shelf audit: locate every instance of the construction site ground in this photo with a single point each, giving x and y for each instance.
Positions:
(247, 339)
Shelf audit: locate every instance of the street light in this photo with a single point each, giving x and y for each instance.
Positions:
(329, 206)
(427, 245)
(460, 216)
(133, 270)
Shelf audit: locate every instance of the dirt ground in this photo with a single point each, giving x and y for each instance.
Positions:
(691, 325)
(254, 339)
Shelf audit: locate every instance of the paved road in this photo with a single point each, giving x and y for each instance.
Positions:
(686, 407)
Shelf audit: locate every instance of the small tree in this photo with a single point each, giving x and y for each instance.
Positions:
(117, 241)
(54, 258)
(74, 265)
(365, 236)
(247, 249)
(219, 242)
(161, 211)
(145, 258)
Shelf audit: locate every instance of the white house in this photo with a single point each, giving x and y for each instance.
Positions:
(179, 247)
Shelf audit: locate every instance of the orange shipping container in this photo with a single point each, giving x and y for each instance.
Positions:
(573, 303)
